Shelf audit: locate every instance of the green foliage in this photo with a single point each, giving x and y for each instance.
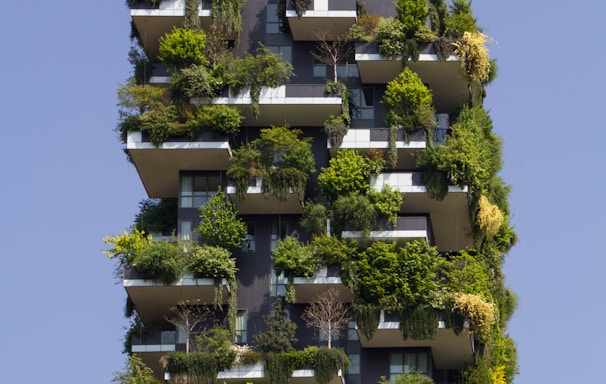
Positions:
(347, 173)
(364, 29)
(279, 157)
(367, 317)
(212, 261)
(223, 119)
(294, 259)
(391, 36)
(265, 68)
(315, 218)
(409, 103)
(182, 48)
(460, 19)
(193, 81)
(279, 334)
(472, 156)
(475, 60)
(437, 13)
(388, 203)
(335, 128)
(333, 250)
(280, 366)
(412, 378)
(156, 215)
(127, 246)
(419, 323)
(159, 262)
(412, 14)
(135, 372)
(354, 212)
(227, 18)
(327, 362)
(142, 68)
(198, 367)
(133, 101)
(464, 273)
(394, 277)
(301, 6)
(192, 19)
(219, 223)
(479, 313)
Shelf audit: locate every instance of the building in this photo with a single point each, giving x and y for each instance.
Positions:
(175, 164)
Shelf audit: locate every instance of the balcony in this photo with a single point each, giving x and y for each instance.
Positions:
(331, 16)
(449, 351)
(326, 278)
(153, 300)
(153, 23)
(256, 372)
(255, 202)
(406, 229)
(450, 222)
(159, 167)
(298, 105)
(445, 78)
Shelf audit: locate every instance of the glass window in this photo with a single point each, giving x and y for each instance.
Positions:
(408, 362)
(249, 241)
(185, 230)
(196, 190)
(354, 364)
(352, 333)
(320, 70)
(285, 50)
(364, 102)
(273, 22)
(240, 332)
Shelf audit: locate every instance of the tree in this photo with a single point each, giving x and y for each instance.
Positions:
(135, 372)
(219, 223)
(327, 314)
(331, 50)
(188, 315)
(279, 334)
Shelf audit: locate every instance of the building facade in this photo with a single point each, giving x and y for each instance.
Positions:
(351, 89)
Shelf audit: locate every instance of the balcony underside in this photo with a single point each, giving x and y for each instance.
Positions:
(153, 300)
(307, 289)
(444, 78)
(449, 350)
(152, 24)
(159, 167)
(315, 23)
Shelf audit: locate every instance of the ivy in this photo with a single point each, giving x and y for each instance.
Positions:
(156, 215)
(418, 323)
(367, 317)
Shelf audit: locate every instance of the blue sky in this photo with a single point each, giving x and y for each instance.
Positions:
(66, 184)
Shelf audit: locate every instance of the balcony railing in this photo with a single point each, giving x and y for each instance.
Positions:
(406, 229)
(326, 278)
(255, 202)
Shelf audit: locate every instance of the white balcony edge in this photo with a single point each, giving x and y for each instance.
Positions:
(134, 141)
(322, 13)
(153, 348)
(186, 281)
(396, 234)
(422, 57)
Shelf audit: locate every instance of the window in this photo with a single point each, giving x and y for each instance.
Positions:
(272, 25)
(285, 50)
(408, 362)
(352, 333)
(240, 332)
(277, 284)
(364, 102)
(196, 190)
(354, 364)
(185, 230)
(249, 241)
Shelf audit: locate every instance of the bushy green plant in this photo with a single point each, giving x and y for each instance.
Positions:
(156, 215)
(182, 48)
(293, 258)
(222, 119)
(327, 362)
(280, 158)
(475, 60)
(412, 14)
(391, 36)
(161, 123)
(219, 223)
(409, 102)
(301, 6)
(126, 246)
(279, 335)
(197, 367)
(388, 203)
(135, 372)
(354, 212)
(315, 218)
(211, 261)
(333, 250)
(347, 173)
(193, 81)
(464, 273)
(412, 378)
(227, 17)
(460, 19)
(159, 262)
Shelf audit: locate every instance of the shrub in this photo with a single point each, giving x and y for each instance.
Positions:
(475, 60)
(388, 203)
(479, 313)
(354, 212)
(412, 14)
(315, 218)
(409, 103)
(158, 262)
(212, 262)
(391, 36)
(193, 81)
(489, 217)
(182, 48)
(219, 223)
(460, 19)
